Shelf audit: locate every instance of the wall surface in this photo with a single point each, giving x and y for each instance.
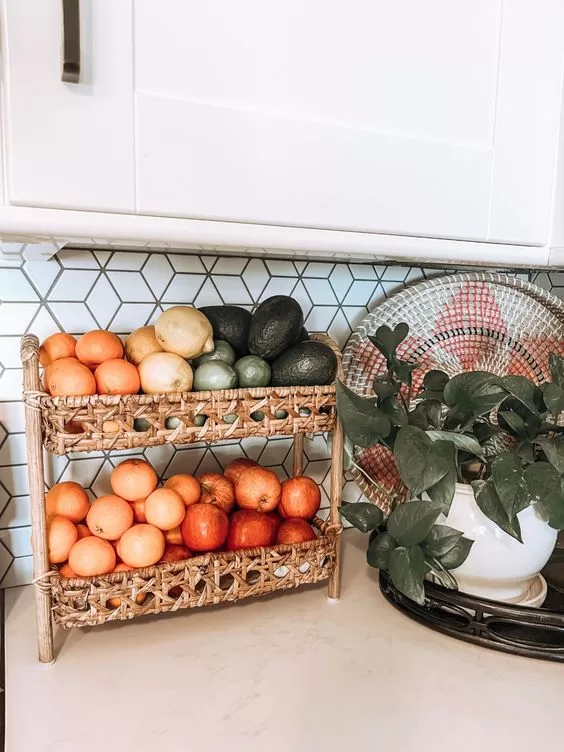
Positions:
(119, 290)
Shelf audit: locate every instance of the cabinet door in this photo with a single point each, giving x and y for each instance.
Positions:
(68, 145)
(368, 115)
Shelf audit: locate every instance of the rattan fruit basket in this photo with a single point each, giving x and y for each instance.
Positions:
(209, 579)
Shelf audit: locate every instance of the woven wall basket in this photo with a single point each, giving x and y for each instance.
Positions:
(463, 322)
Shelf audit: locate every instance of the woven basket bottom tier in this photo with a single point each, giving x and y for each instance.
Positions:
(201, 581)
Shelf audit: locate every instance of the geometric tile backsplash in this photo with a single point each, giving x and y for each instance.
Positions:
(122, 290)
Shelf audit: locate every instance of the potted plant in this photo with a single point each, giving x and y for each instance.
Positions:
(482, 459)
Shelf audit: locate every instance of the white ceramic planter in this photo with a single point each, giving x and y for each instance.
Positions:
(498, 566)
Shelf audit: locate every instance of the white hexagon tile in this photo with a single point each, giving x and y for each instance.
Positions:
(121, 290)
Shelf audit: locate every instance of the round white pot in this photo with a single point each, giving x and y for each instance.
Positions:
(498, 566)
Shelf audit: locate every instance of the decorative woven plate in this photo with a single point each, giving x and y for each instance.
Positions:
(463, 322)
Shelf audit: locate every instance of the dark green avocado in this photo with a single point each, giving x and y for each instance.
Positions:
(303, 334)
(308, 363)
(230, 323)
(277, 324)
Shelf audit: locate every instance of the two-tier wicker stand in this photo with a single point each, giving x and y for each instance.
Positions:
(174, 418)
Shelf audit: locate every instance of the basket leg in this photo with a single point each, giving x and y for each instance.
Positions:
(298, 456)
(36, 476)
(334, 590)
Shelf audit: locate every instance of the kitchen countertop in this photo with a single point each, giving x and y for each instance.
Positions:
(285, 673)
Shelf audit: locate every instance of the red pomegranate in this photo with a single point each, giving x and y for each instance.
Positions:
(174, 552)
(258, 489)
(234, 469)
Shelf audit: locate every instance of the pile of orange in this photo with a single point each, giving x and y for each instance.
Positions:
(91, 364)
(140, 524)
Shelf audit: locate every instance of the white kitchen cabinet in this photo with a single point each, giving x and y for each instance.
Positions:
(420, 129)
(68, 145)
(433, 118)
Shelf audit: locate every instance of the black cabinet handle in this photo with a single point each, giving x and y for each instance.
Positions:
(71, 42)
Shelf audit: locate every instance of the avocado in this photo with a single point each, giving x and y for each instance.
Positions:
(276, 325)
(303, 335)
(308, 363)
(231, 324)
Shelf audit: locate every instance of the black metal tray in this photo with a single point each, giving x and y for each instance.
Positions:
(530, 632)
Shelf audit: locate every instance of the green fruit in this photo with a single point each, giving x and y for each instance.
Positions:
(230, 418)
(303, 334)
(215, 374)
(141, 424)
(252, 371)
(277, 324)
(172, 422)
(231, 324)
(308, 363)
(222, 351)
(258, 415)
(280, 414)
(199, 420)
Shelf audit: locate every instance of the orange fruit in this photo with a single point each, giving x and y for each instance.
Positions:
(109, 517)
(234, 469)
(59, 345)
(66, 571)
(186, 486)
(67, 499)
(83, 531)
(116, 602)
(174, 536)
(133, 480)
(61, 536)
(164, 509)
(91, 556)
(68, 377)
(258, 489)
(138, 510)
(141, 546)
(97, 346)
(117, 377)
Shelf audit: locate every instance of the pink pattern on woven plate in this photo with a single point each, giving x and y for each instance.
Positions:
(458, 323)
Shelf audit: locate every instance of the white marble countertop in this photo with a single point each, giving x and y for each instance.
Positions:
(289, 673)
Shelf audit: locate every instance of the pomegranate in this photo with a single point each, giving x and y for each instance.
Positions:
(300, 497)
(205, 527)
(176, 553)
(235, 468)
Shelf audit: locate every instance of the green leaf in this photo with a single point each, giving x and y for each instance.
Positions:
(365, 517)
(556, 368)
(435, 380)
(545, 486)
(457, 555)
(442, 492)
(420, 463)
(395, 411)
(460, 440)
(384, 390)
(411, 522)
(513, 423)
(363, 422)
(440, 540)
(490, 504)
(474, 393)
(554, 451)
(387, 340)
(378, 553)
(553, 396)
(509, 482)
(407, 571)
(404, 371)
(523, 390)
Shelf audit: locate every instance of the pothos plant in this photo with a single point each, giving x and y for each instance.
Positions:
(498, 433)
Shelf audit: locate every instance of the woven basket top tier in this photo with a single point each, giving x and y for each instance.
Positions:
(463, 322)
